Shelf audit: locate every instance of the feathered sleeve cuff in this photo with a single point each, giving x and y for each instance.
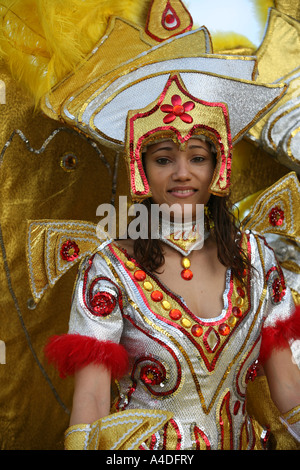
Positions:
(71, 352)
(280, 334)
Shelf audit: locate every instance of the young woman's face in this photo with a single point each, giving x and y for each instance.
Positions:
(180, 177)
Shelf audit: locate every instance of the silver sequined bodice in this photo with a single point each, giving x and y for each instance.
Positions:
(196, 368)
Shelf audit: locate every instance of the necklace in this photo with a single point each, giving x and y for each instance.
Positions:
(184, 237)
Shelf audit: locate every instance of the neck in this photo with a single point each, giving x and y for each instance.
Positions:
(183, 236)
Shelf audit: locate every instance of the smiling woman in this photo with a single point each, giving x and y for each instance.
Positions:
(178, 321)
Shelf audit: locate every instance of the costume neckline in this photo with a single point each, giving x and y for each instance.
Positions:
(178, 298)
(182, 236)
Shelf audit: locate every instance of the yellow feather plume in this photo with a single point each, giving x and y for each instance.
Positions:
(43, 40)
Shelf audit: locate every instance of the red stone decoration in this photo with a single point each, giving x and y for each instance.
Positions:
(186, 274)
(240, 292)
(276, 216)
(224, 329)
(175, 314)
(102, 304)
(237, 312)
(197, 330)
(140, 275)
(177, 109)
(69, 251)
(157, 296)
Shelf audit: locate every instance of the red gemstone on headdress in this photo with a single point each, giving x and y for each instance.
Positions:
(175, 314)
(156, 296)
(140, 275)
(186, 274)
(178, 110)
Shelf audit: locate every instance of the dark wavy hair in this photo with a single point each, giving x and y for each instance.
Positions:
(150, 253)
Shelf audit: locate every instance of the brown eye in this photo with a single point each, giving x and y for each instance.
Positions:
(198, 158)
(162, 161)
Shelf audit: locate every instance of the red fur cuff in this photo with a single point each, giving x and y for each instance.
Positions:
(71, 352)
(278, 336)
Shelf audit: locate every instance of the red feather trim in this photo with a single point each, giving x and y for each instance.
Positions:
(70, 352)
(278, 336)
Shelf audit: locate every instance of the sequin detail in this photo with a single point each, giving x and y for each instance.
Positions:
(276, 216)
(69, 251)
(102, 303)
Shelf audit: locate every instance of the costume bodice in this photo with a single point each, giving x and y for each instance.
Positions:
(196, 368)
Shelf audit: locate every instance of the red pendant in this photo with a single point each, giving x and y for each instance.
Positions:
(186, 274)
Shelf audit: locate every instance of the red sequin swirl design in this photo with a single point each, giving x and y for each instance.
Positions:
(99, 303)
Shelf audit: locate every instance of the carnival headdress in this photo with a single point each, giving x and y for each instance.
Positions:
(174, 86)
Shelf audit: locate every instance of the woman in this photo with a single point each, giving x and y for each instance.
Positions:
(197, 359)
(177, 324)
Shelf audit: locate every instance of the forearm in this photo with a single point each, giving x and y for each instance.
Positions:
(87, 408)
(92, 395)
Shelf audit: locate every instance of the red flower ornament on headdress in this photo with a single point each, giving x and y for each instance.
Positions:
(177, 109)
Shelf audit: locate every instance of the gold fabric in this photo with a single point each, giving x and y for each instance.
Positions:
(46, 239)
(284, 195)
(125, 430)
(262, 408)
(278, 57)
(98, 72)
(289, 7)
(35, 402)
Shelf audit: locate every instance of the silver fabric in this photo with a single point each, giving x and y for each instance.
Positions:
(110, 118)
(190, 389)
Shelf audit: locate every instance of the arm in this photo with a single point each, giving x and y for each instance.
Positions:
(91, 399)
(283, 377)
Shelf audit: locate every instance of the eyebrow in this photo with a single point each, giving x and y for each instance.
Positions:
(162, 148)
(191, 147)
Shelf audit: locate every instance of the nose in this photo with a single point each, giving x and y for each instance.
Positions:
(181, 170)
